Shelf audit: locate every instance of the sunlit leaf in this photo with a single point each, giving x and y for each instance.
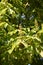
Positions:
(14, 44)
(3, 11)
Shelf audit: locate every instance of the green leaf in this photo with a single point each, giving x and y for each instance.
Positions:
(14, 45)
(3, 11)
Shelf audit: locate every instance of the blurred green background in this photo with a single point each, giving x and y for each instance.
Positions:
(21, 32)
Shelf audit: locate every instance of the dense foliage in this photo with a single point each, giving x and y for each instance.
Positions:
(21, 31)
